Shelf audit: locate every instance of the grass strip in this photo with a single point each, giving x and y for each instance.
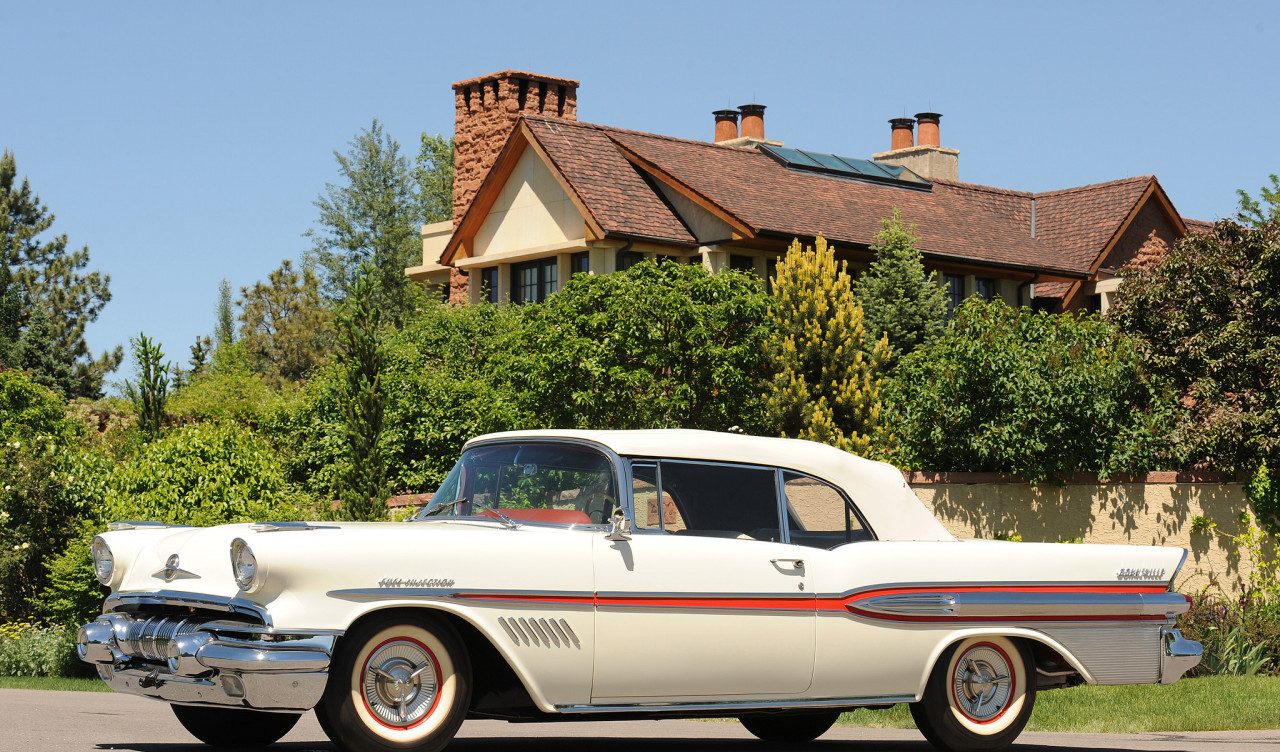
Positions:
(1209, 703)
(53, 682)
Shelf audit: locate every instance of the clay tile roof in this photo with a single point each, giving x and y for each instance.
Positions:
(960, 221)
(1198, 225)
(615, 192)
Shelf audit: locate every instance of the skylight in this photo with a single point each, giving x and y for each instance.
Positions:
(847, 167)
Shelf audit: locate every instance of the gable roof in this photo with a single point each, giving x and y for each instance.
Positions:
(612, 172)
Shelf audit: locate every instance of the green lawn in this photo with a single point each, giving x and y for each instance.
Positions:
(1210, 703)
(44, 682)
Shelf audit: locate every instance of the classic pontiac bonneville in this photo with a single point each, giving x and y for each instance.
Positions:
(561, 575)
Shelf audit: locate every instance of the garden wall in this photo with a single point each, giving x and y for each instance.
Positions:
(1157, 509)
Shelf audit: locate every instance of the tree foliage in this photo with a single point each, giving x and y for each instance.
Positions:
(371, 217)
(285, 324)
(657, 346)
(433, 174)
(362, 486)
(899, 300)
(1038, 395)
(1207, 318)
(38, 352)
(150, 393)
(224, 328)
(826, 385)
(52, 278)
(1261, 211)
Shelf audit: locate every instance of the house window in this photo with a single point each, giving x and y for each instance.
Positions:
(771, 273)
(489, 284)
(580, 263)
(532, 282)
(985, 288)
(955, 292)
(742, 263)
(627, 259)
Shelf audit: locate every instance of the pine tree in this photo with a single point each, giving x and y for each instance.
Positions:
(39, 352)
(362, 484)
(898, 299)
(224, 332)
(52, 278)
(433, 173)
(10, 315)
(150, 392)
(372, 217)
(285, 323)
(827, 383)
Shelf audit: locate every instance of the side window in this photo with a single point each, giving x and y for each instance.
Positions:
(723, 501)
(650, 513)
(818, 515)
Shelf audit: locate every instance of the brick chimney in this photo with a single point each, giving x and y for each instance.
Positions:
(486, 109)
(726, 125)
(903, 134)
(928, 158)
(752, 120)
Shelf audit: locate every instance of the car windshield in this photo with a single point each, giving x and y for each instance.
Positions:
(546, 482)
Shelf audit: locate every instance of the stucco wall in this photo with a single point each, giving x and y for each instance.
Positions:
(1131, 513)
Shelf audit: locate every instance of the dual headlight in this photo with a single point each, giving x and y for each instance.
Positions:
(244, 566)
(104, 564)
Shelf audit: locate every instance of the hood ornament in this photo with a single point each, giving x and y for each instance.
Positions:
(172, 571)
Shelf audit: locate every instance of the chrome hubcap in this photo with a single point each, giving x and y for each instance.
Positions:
(400, 683)
(982, 683)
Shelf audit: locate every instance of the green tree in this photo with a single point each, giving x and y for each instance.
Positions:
(899, 300)
(370, 218)
(661, 345)
(362, 487)
(52, 277)
(224, 332)
(10, 317)
(433, 174)
(1029, 393)
(285, 324)
(151, 391)
(1261, 211)
(826, 385)
(1207, 318)
(38, 351)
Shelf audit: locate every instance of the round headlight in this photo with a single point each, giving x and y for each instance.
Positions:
(244, 566)
(104, 564)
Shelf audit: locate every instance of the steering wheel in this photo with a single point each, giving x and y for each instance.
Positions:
(598, 507)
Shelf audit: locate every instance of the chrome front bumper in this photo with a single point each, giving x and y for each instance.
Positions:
(1178, 655)
(196, 660)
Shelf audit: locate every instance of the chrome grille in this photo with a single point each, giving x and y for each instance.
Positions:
(149, 638)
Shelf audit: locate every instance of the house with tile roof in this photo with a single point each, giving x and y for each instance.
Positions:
(539, 196)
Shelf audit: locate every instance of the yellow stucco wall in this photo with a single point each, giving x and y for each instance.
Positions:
(1133, 513)
(531, 211)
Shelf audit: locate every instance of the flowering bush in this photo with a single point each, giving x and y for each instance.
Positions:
(28, 649)
(1241, 636)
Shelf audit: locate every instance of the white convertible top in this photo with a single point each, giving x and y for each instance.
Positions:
(878, 488)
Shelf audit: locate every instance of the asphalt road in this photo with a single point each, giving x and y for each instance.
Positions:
(42, 721)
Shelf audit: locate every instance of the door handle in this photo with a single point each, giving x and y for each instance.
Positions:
(795, 563)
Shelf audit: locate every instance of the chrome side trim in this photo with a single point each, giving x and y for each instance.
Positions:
(1178, 655)
(271, 527)
(123, 601)
(495, 596)
(736, 705)
(987, 605)
(539, 632)
(1120, 653)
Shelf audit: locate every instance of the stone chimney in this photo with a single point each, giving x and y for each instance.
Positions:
(486, 109)
(726, 125)
(928, 158)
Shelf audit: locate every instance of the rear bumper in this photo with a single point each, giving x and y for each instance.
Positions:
(1178, 655)
(199, 661)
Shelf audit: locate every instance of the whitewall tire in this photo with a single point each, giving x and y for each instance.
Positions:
(979, 696)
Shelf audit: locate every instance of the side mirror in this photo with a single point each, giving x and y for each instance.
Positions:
(621, 526)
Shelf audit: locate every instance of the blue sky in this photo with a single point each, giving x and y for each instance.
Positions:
(186, 142)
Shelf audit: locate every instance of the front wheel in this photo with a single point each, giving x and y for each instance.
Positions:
(978, 697)
(790, 727)
(397, 683)
(234, 727)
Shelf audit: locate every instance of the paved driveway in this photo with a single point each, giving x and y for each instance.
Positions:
(40, 721)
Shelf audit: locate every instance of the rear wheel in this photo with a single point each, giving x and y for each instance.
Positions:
(397, 684)
(234, 727)
(793, 727)
(979, 695)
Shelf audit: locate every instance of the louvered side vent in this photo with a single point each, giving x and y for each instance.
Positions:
(547, 633)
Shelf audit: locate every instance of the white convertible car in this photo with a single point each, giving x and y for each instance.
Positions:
(562, 575)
